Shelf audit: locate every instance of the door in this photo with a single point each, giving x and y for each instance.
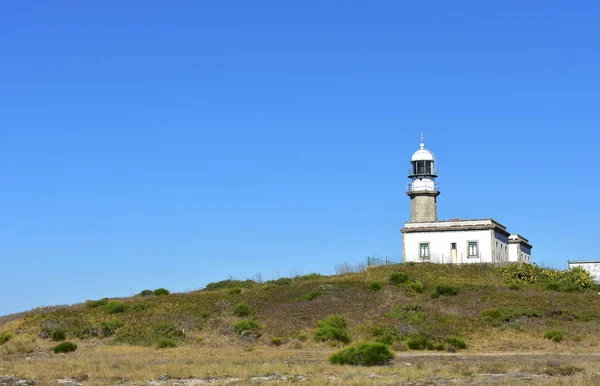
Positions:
(453, 253)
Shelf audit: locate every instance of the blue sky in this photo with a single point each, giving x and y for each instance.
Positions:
(171, 144)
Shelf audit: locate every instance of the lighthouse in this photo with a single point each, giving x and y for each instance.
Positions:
(423, 188)
(455, 241)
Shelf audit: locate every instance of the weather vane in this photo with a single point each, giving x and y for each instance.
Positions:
(422, 138)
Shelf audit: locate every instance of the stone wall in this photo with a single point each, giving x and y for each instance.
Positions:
(423, 208)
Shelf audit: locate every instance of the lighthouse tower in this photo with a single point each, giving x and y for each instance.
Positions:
(423, 190)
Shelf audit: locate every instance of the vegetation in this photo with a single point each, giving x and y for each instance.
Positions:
(554, 335)
(312, 295)
(58, 335)
(332, 328)
(227, 284)
(398, 278)
(241, 309)
(375, 285)
(363, 354)
(417, 286)
(446, 290)
(166, 343)
(573, 280)
(65, 347)
(276, 341)
(96, 303)
(246, 325)
(115, 307)
(146, 292)
(5, 337)
(161, 292)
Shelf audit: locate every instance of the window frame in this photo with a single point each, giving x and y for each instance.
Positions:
(469, 242)
(421, 256)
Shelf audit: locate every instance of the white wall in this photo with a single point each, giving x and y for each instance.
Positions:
(439, 246)
(517, 252)
(593, 267)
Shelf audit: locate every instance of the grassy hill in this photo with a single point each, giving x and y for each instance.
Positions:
(413, 308)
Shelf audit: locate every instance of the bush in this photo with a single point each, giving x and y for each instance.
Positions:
(311, 276)
(385, 335)
(108, 328)
(506, 315)
(161, 292)
(241, 309)
(375, 285)
(420, 342)
(302, 337)
(277, 341)
(412, 313)
(5, 337)
(311, 295)
(514, 287)
(137, 307)
(65, 347)
(115, 307)
(166, 343)
(554, 335)
(448, 290)
(363, 354)
(234, 291)
(457, 343)
(96, 303)
(332, 328)
(246, 325)
(227, 284)
(281, 281)
(146, 292)
(417, 286)
(58, 335)
(398, 278)
(576, 279)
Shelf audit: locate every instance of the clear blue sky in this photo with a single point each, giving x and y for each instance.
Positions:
(149, 144)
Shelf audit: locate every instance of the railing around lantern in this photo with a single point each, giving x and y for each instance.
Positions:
(436, 187)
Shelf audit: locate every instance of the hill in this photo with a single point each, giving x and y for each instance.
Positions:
(245, 332)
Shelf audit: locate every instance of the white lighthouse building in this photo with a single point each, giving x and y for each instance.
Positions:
(425, 239)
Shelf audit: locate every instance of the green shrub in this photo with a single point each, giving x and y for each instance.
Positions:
(411, 313)
(65, 347)
(398, 278)
(281, 281)
(554, 335)
(302, 337)
(332, 328)
(146, 292)
(417, 286)
(166, 343)
(166, 330)
(363, 354)
(420, 342)
(96, 303)
(457, 343)
(115, 307)
(375, 286)
(506, 315)
(241, 309)
(108, 328)
(575, 279)
(137, 307)
(58, 335)
(5, 337)
(310, 276)
(227, 284)
(435, 295)
(246, 325)
(514, 286)
(277, 341)
(234, 291)
(161, 292)
(385, 335)
(311, 295)
(448, 290)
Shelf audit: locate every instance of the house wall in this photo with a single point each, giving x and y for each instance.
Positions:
(500, 247)
(440, 246)
(519, 253)
(593, 267)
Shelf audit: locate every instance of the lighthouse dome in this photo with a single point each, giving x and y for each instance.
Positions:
(423, 155)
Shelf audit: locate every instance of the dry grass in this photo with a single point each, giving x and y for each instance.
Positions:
(201, 322)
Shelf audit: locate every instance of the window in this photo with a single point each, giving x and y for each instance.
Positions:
(453, 246)
(473, 249)
(424, 250)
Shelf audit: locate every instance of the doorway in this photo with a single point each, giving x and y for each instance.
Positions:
(453, 253)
